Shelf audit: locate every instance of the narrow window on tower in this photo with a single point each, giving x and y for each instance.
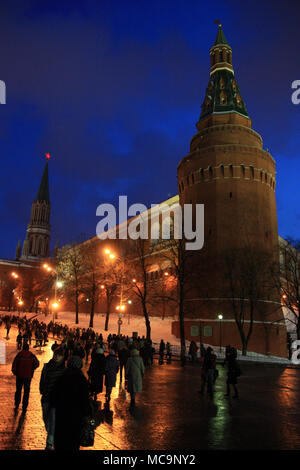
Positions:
(230, 195)
(187, 180)
(243, 171)
(193, 180)
(252, 172)
(210, 172)
(222, 170)
(266, 177)
(231, 170)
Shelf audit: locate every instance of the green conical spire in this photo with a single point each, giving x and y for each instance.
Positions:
(43, 192)
(220, 39)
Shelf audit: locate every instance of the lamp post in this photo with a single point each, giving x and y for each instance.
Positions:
(112, 256)
(57, 285)
(220, 317)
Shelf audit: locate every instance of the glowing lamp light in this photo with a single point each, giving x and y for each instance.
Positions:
(166, 273)
(220, 316)
(118, 307)
(133, 280)
(130, 301)
(55, 305)
(122, 307)
(20, 302)
(48, 156)
(112, 256)
(284, 296)
(102, 287)
(107, 251)
(59, 284)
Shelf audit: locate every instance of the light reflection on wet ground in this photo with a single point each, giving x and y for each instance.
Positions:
(170, 414)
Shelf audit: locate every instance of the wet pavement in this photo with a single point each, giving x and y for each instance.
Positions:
(170, 414)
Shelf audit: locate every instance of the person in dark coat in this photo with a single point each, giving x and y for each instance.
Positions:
(23, 367)
(72, 406)
(19, 341)
(162, 348)
(111, 370)
(96, 372)
(78, 351)
(233, 372)
(123, 357)
(193, 351)
(51, 372)
(208, 372)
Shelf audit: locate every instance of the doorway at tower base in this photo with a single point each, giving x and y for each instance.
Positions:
(270, 339)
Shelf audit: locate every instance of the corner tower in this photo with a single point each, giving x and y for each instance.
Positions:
(229, 172)
(36, 243)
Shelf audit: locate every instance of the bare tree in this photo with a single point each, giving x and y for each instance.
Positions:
(183, 273)
(247, 285)
(71, 268)
(141, 282)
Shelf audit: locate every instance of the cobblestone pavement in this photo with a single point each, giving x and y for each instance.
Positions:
(170, 413)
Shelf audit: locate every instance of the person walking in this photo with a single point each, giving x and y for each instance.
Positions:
(23, 367)
(96, 372)
(7, 326)
(19, 341)
(51, 372)
(169, 352)
(208, 372)
(193, 351)
(87, 348)
(72, 406)
(162, 348)
(111, 370)
(134, 373)
(123, 358)
(233, 372)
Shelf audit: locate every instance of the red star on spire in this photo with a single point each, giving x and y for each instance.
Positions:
(48, 156)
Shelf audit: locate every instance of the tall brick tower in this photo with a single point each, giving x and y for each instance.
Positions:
(36, 243)
(229, 172)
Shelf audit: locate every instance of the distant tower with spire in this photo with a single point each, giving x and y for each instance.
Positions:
(36, 243)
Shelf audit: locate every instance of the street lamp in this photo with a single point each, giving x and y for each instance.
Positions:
(57, 285)
(113, 256)
(220, 317)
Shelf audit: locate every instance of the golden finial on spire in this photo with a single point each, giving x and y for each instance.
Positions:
(218, 22)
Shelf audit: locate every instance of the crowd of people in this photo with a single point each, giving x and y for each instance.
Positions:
(68, 397)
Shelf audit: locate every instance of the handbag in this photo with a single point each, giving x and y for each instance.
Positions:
(87, 433)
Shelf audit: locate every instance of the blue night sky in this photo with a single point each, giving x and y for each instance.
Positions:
(113, 89)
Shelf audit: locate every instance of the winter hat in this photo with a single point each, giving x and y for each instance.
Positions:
(75, 362)
(99, 351)
(134, 352)
(112, 351)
